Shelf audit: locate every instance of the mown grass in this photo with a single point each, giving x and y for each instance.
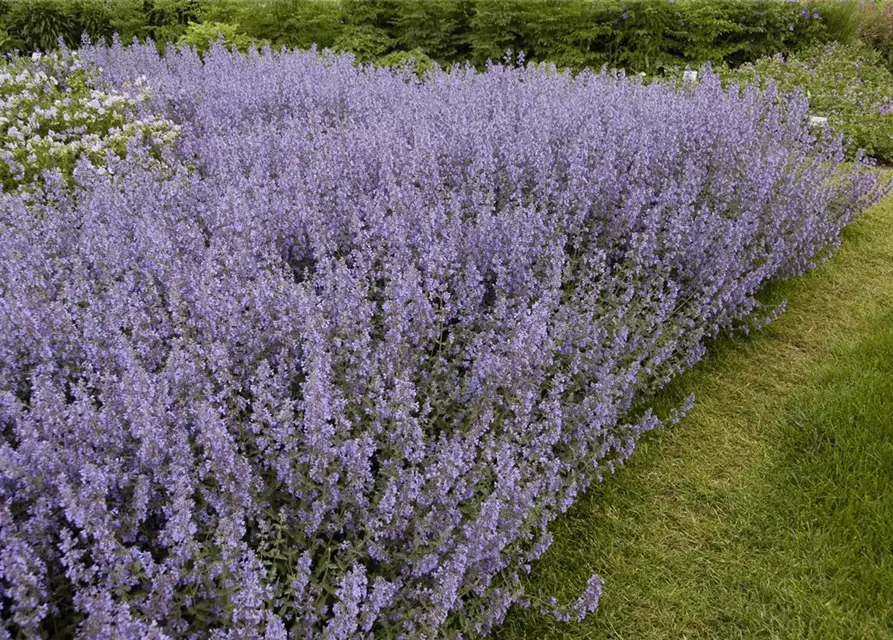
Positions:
(767, 512)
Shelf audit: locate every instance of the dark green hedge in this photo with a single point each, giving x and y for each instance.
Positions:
(639, 35)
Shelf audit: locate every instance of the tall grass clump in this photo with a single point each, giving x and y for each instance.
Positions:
(334, 368)
(876, 28)
(842, 18)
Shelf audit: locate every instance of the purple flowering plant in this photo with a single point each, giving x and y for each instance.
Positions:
(333, 370)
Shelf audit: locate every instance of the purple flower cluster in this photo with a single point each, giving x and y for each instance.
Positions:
(333, 370)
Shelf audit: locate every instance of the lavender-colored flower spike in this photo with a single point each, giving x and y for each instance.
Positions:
(588, 600)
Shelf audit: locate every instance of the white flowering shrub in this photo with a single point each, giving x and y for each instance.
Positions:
(52, 111)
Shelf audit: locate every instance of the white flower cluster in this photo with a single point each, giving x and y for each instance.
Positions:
(51, 113)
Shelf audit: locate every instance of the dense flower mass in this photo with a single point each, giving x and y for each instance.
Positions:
(333, 370)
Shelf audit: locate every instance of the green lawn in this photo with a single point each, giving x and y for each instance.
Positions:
(768, 512)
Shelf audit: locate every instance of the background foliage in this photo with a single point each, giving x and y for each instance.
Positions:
(848, 84)
(639, 35)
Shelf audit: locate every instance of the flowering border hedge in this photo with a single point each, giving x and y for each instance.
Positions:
(333, 370)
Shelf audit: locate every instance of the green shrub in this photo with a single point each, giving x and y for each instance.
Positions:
(366, 41)
(439, 28)
(761, 29)
(848, 84)
(283, 23)
(169, 20)
(163, 13)
(9, 42)
(202, 34)
(32, 25)
(416, 60)
(499, 26)
(641, 35)
(128, 20)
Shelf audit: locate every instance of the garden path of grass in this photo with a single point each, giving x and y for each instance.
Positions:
(768, 511)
